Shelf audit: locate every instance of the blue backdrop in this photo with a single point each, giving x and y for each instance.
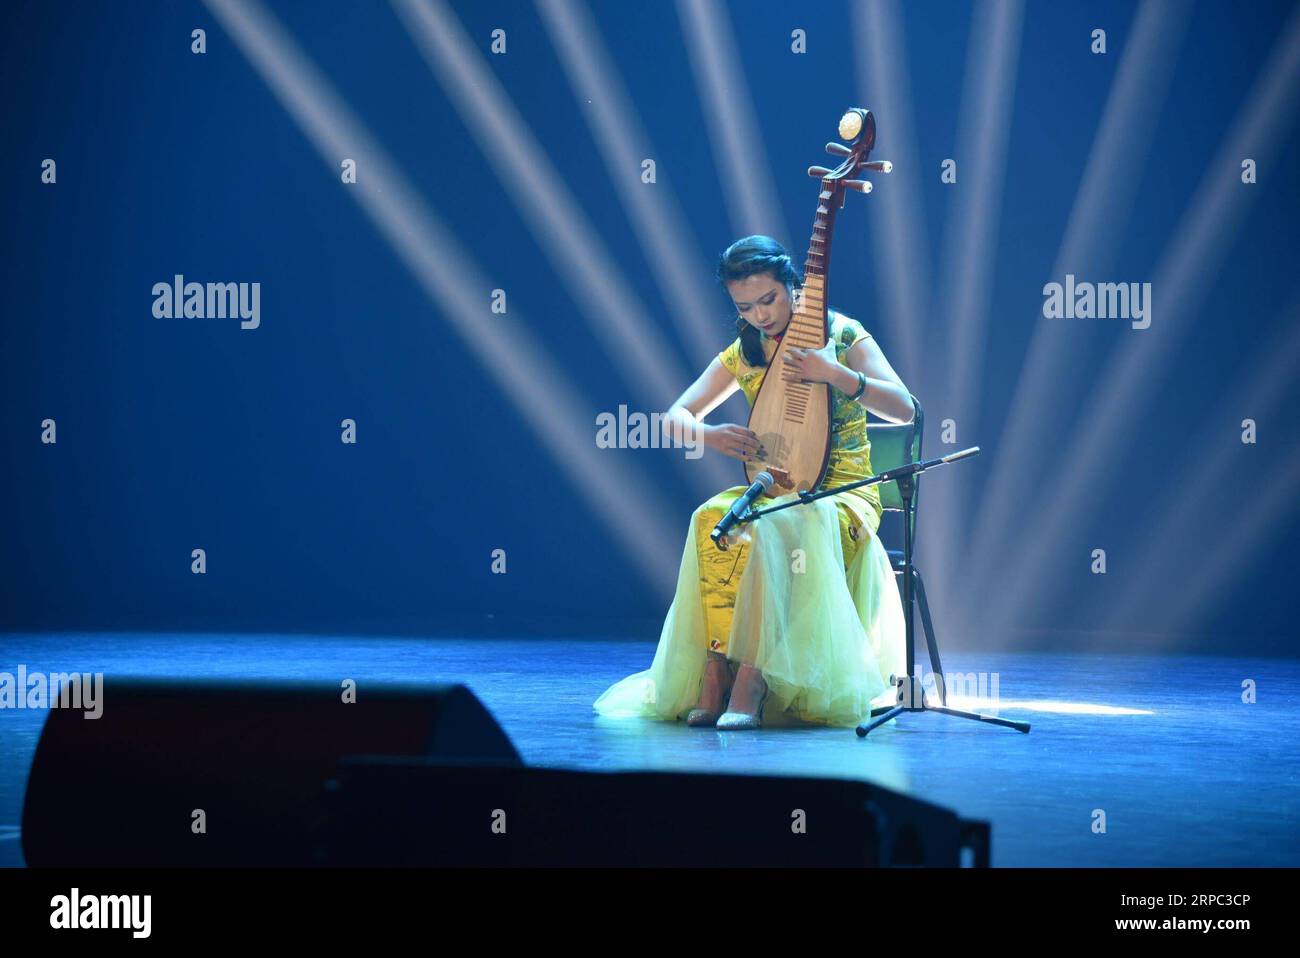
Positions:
(178, 434)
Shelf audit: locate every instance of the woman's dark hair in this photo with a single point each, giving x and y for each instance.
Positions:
(744, 258)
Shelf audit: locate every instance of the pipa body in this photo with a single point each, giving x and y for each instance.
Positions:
(793, 419)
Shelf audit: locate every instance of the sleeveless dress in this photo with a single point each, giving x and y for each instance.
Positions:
(806, 595)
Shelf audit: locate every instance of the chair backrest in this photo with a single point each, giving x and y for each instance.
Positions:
(896, 444)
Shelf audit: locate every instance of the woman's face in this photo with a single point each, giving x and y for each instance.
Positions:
(762, 302)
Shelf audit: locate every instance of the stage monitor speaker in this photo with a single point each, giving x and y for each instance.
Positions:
(422, 813)
(226, 773)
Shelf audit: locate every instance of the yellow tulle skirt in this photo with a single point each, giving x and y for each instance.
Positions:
(826, 634)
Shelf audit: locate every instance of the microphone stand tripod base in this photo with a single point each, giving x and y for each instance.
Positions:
(909, 690)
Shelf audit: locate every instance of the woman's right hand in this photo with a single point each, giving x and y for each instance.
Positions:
(732, 440)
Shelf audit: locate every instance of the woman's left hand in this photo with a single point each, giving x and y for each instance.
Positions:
(809, 365)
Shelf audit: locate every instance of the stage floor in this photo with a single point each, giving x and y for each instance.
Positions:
(1185, 772)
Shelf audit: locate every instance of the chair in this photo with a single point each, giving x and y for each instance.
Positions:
(893, 445)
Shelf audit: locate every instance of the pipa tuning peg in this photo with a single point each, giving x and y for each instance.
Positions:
(837, 149)
(880, 166)
(818, 171)
(862, 186)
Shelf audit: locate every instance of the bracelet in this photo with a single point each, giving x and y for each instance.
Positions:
(862, 387)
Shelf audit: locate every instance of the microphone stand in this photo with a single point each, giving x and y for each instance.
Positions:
(911, 695)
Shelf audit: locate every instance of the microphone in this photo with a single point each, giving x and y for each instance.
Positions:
(738, 509)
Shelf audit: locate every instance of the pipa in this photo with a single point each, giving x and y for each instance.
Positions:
(793, 419)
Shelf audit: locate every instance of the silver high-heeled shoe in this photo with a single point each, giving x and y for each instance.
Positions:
(708, 717)
(735, 721)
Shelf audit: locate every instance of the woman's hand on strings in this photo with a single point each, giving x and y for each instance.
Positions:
(732, 440)
(809, 365)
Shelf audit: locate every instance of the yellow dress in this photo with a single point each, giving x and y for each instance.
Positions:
(807, 595)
